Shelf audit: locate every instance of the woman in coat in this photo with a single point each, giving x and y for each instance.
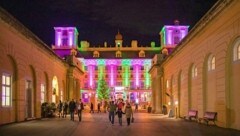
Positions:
(129, 113)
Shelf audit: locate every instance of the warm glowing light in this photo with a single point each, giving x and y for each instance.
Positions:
(176, 102)
(112, 76)
(137, 101)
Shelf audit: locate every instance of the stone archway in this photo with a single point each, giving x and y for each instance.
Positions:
(15, 93)
(232, 87)
(55, 89)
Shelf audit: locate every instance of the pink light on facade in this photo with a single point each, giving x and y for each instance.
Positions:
(183, 33)
(137, 75)
(169, 37)
(112, 76)
(58, 33)
(70, 37)
(90, 67)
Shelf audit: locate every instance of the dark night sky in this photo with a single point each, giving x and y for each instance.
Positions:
(99, 20)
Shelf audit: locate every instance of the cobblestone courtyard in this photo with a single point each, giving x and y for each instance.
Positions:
(98, 125)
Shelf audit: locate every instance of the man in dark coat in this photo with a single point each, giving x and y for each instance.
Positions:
(72, 107)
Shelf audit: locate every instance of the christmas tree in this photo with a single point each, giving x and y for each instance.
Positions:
(102, 90)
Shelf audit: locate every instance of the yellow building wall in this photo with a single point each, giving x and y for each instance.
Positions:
(25, 60)
(217, 38)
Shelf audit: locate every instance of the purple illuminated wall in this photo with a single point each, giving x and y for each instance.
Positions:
(65, 40)
(171, 35)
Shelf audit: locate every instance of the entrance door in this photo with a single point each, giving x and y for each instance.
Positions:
(29, 100)
(119, 95)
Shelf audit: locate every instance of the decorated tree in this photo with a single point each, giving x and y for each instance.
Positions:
(102, 90)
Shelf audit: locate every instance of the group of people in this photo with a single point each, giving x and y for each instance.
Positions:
(62, 109)
(117, 109)
(113, 109)
(72, 107)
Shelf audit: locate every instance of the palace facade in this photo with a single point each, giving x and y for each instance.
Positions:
(197, 70)
(124, 68)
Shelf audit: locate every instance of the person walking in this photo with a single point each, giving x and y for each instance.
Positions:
(120, 113)
(60, 107)
(65, 108)
(91, 108)
(99, 107)
(72, 107)
(129, 113)
(136, 107)
(112, 109)
(80, 107)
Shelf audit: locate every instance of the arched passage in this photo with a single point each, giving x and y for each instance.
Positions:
(15, 93)
(232, 85)
(55, 89)
(209, 84)
(180, 98)
(30, 97)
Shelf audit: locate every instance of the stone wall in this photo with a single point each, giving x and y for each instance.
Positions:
(215, 90)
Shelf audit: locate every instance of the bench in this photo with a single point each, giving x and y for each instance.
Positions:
(191, 114)
(209, 116)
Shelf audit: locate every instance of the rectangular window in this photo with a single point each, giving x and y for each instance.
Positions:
(119, 83)
(86, 85)
(142, 85)
(42, 93)
(176, 40)
(119, 67)
(64, 41)
(132, 85)
(6, 90)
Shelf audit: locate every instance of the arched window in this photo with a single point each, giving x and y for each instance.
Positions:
(211, 63)
(141, 53)
(118, 54)
(96, 54)
(236, 51)
(194, 71)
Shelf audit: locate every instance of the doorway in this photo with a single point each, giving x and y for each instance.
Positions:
(29, 100)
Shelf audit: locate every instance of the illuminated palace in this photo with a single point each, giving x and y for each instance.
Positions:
(196, 70)
(124, 68)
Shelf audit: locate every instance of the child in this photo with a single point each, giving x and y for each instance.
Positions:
(119, 112)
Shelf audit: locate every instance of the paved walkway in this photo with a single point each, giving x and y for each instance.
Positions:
(98, 125)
